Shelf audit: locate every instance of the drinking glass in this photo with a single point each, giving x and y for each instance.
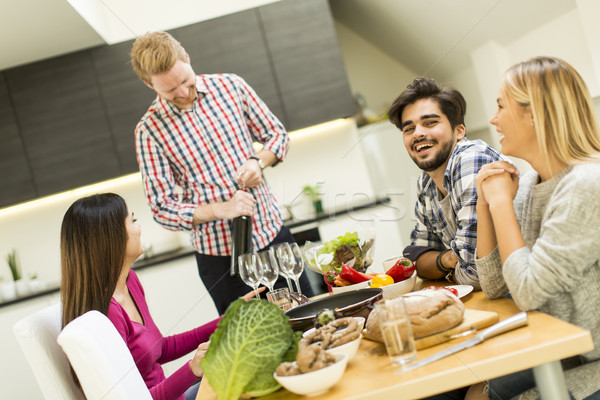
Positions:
(267, 261)
(250, 270)
(397, 331)
(286, 262)
(298, 265)
(281, 298)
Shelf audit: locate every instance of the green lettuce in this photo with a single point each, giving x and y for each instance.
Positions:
(251, 340)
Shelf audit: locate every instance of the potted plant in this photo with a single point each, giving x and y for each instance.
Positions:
(7, 289)
(15, 269)
(315, 197)
(35, 284)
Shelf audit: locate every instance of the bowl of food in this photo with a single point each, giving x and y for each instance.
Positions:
(354, 249)
(359, 320)
(315, 382)
(349, 288)
(400, 288)
(357, 303)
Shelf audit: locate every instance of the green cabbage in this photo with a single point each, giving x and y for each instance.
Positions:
(251, 340)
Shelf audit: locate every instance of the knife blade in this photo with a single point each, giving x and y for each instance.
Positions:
(516, 321)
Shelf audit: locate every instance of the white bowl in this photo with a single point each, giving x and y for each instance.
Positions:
(356, 286)
(360, 320)
(349, 349)
(400, 288)
(316, 382)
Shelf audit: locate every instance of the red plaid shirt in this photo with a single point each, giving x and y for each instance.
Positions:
(199, 152)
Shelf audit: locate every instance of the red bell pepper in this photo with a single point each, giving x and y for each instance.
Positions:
(352, 275)
(401, 270)
(329, 278)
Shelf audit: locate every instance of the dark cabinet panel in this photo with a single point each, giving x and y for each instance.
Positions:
(233, 44)
(307, 60)
(63, 122)
(125, 98)
(16, 180)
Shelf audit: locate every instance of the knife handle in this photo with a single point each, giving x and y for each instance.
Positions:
(516, 321)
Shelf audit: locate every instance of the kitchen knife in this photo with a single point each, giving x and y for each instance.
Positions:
(516, 321)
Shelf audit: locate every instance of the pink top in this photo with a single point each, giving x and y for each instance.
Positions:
(150, 349)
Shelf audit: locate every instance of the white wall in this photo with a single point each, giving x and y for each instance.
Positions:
(33, 228)
(329, 155)
(373, 73)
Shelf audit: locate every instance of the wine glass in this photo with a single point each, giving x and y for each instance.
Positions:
(266, 259)
(298, 265)
(284, 256)
(250, 271)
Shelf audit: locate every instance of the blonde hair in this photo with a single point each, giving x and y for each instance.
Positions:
(155, 53)
(563, 114)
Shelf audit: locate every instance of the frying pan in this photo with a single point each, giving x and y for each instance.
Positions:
(357, 303)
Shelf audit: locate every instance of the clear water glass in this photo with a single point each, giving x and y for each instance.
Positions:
(397, 331)
(266, 259)
(298, 265)
(281, 298)
(286, 261)
(250, 270)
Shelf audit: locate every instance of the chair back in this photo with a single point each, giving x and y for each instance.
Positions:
(101, 359)
(37, 334)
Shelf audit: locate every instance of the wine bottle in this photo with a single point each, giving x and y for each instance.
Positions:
(241, 240)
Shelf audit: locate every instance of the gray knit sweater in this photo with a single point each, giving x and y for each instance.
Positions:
(558, 272)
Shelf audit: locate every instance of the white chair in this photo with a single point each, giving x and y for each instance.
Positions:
(37, 335)
(101, 359)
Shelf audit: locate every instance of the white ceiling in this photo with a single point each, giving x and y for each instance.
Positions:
(437, 35)
(32, 30)
(424, 35)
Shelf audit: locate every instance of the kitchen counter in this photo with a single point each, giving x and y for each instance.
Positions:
(137, 265)
(159, 258)
(293, 223)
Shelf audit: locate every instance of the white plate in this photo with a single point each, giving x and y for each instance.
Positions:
(463, 290)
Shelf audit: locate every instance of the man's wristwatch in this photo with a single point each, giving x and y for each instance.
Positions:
(260, 162)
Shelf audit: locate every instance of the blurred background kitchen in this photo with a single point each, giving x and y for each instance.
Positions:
(328, 69)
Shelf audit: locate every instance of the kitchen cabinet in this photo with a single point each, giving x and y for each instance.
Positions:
(69, 121)
(124, 97)
(16, 179)
(62, 122)
(307, 61)
(234, 44)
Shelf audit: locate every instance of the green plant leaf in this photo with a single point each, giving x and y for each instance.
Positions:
(249, 343)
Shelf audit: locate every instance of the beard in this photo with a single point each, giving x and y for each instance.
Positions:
(438, 160)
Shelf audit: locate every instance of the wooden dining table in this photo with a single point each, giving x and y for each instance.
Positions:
(539, 345)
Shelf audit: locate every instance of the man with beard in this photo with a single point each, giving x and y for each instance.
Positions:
(443, 241)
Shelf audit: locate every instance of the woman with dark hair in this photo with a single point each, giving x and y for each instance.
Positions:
(100, 240)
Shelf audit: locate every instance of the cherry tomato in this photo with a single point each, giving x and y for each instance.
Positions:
(448, 288)
(380, 280)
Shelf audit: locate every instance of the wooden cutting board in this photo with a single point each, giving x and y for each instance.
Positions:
(472, 319)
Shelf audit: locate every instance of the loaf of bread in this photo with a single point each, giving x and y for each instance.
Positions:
(429, 311)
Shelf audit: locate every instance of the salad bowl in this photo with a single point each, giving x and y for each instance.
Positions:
(315, 382)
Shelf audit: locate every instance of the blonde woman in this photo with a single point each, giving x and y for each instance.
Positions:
(538, 235)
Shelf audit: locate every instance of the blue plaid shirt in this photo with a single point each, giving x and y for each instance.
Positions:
(432, 228)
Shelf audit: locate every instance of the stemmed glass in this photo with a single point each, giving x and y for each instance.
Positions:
(251, 271)
(267, 261)
(298, 265)
(288, 263)
(285, 258)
